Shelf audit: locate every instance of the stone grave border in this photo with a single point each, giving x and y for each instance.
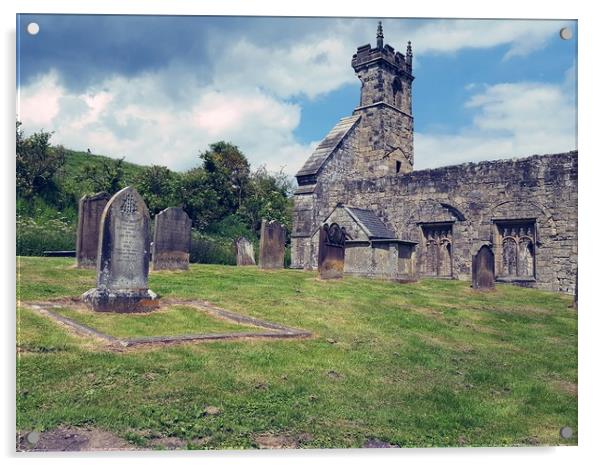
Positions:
(274, 330)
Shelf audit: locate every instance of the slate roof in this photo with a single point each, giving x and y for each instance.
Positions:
(370, 223)
(325, 149)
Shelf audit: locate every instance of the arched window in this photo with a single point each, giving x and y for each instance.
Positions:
(437, 254)
(397, 92)
(517, 252)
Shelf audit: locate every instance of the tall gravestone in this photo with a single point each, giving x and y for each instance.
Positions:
(245, 255)
(483, 269)
(123, 257)
(171, 240)
(331, 251)
(88, 228)
(271, 245)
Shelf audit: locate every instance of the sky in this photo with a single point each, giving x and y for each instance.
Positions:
(160, 89)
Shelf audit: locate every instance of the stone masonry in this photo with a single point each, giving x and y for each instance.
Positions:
(524, 209)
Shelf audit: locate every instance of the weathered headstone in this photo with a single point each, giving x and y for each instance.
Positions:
(123, 257)
(331, 251)
(171, 240)
(88, 228)
(245, 255)
(271, 245)
(483, 269)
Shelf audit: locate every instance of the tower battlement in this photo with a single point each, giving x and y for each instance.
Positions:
(387, 126)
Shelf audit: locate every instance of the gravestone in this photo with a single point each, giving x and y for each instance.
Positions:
(171, 240)
(245, 255)
(123, 257)
(271, 245)
(88, 228)
(483, 269)
(331, 251)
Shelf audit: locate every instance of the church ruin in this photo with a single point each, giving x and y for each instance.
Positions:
(406, 224)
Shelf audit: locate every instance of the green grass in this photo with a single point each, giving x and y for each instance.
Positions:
(425, 364)
(173, 321)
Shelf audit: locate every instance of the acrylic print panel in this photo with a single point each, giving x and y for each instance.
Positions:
(424, 141)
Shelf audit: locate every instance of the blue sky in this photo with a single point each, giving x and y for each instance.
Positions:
(159, 89)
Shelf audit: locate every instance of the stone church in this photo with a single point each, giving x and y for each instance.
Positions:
(403, 224)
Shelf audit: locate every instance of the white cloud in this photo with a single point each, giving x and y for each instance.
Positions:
(136, 119)
(511, 120)
(39, 102)
(314, 66)
(320, 61)
(450, 36)
(166, 117)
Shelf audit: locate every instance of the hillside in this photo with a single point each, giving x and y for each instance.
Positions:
(223, 197)
(76, 161)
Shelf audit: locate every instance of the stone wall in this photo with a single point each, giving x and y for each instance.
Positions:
(471, 198)
(384, 153)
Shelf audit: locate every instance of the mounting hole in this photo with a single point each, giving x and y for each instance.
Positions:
(566, 34)
(33, 29)
(566, 432)
(33, 437)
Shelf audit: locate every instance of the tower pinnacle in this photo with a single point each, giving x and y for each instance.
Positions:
(379, 35)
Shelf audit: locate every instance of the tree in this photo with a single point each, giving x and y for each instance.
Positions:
(37, 164)
(229, 172)
(200, 201)
(107, 176)
(158, 186)
(268, 197)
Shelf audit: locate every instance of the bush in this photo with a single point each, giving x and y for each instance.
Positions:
(231, 227)
(36, 236)
(206, 249)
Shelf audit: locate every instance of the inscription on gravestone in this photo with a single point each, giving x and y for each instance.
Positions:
(331, 251)
(88, 228)
(123, 257)
(245, 255)
(171, 240)
(483, 269)
(271, 245)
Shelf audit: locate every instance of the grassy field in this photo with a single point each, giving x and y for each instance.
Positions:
(425, 364)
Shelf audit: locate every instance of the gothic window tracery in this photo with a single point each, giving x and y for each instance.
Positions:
(437, 260)
(517, 249)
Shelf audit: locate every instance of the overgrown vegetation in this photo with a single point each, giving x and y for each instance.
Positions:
(222, 195)
(425, 364)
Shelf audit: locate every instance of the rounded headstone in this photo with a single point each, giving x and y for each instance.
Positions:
(123, 257)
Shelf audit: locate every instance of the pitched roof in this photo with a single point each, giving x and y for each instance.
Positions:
(325, 149)
(370, 223)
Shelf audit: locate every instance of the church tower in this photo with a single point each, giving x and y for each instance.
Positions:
(386, 132)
